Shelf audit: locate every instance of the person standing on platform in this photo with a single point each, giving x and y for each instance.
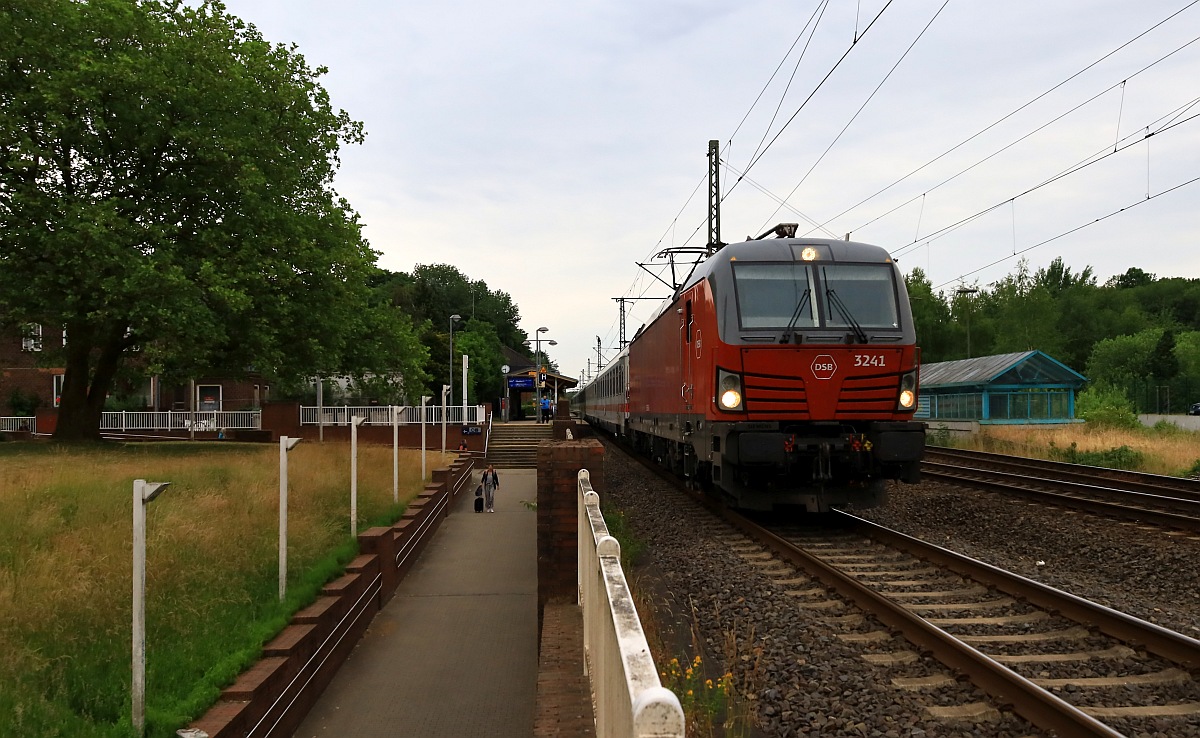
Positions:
(490, 483)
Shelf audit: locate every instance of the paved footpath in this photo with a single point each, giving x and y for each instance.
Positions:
(454, 653)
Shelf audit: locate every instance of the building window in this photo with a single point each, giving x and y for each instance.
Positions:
(31, 337)
(208, 397)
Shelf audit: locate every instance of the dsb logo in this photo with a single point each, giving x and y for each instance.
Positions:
(824, 367)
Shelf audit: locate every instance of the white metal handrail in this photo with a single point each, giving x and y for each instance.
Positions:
(382, 414)
(19, 423)
(630, 699)
(169, 420)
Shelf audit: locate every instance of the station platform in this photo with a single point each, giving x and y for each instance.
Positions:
(454, 653)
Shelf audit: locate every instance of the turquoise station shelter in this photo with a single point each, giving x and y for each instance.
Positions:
(1025, 387)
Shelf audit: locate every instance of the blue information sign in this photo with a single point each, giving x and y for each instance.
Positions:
(520, 382)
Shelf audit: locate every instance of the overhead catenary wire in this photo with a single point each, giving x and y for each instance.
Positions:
(1131, 140)
(858, 37)
(1018, 109)
(1102, 218)
(854, 117)
(1011, 144)
(762, 149)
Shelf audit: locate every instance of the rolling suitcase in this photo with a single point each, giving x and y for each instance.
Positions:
(479, 499)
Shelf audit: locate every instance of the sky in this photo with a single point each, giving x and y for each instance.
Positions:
(549, 148)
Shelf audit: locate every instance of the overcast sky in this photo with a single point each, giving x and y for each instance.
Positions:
(548, 147)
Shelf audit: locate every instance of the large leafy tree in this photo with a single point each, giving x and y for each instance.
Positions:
(488, 320)
(165, 182)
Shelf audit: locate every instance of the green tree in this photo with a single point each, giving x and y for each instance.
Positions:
(936, 334)
(1163, 362)
(482, 347)
(165, 182)
(1120, 360)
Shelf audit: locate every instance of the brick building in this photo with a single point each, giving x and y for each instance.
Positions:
(27, 381)
(31, 379)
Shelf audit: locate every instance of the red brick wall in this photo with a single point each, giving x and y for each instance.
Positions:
(559, 463)
(19, 369)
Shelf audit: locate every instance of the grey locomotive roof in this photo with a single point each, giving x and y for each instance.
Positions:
(1025, 367)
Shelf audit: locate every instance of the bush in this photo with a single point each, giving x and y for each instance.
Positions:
(23, 403)
(1122, 457)
(1194, 472)
(1104, 406)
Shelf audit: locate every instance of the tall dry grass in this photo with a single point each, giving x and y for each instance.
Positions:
(211, 578)
(1166, 450)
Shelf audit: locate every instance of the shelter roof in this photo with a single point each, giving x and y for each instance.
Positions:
(520, 364)
(1022, 368)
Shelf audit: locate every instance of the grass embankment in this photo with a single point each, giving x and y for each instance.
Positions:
(1164, 449)
(211, 574)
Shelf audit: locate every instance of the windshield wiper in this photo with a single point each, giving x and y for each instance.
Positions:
(836, 301)
(787, 332)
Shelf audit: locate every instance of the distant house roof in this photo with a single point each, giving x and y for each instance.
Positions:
(1023, 368)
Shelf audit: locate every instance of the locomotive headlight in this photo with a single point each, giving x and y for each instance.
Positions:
(907, 400)
(729, 390)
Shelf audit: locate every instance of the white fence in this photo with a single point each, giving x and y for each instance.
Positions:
(19, 424)
(630, 699)
(382, 415)
(175, 420)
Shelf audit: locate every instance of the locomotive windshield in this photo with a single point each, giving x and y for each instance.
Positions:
(791, 295)
(775, 295)
(860, 294)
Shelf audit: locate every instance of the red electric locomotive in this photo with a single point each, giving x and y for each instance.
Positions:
(783, 372)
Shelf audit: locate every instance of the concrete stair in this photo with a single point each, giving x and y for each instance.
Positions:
(514, 445)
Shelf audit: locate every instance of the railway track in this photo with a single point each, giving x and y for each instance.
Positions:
(1065, 664)
(1158, 500)
(925, 617)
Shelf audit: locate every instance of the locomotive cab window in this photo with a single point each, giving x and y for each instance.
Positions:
(775, 295)
(859, 293)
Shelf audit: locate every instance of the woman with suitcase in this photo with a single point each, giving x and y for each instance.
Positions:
(490, 483)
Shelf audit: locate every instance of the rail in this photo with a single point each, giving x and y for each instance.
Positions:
(22, 423)
(383, 414)
(169, 420)
(630, 699)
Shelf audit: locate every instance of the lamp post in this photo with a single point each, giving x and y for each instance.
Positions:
(453, 318)
(967, 292)
(355, 421)
(396, 454)
(424, 399)
(537, 370)
(285, 444)
(445, 389)
(143, 493)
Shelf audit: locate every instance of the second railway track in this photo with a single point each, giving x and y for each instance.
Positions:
(1070, 659)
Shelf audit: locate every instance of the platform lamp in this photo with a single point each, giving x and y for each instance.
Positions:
(285, 444)
(966, 292)
(424, 401)
(551, 342)
(143, 493)
(445, 390)
(355, 421)
(537, 369)
(453, 318)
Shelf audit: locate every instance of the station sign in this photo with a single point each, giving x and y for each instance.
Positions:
(520, 382)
